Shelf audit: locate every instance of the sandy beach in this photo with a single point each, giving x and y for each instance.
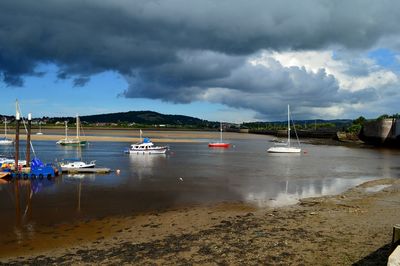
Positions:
(354, 227)
(124, 135)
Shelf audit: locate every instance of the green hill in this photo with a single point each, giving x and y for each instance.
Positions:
(140, 117)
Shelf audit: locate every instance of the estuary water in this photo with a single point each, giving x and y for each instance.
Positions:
(190, 174)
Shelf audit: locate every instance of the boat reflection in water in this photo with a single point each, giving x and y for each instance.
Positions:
(143, 165)
(291, 193)
(22, 193)
(79, 179)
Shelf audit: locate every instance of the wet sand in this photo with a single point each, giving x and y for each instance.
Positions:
(133, 135)
(351, 228)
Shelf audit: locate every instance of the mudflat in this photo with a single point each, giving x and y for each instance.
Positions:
(124, 135)
(354, 227)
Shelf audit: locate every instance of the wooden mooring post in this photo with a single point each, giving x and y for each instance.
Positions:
(396, 235)
(28, 141)
(17, 118)
(394, 258)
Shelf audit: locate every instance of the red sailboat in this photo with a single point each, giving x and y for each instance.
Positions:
(219, 144)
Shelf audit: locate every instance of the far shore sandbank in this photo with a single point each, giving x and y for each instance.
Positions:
(133, 136)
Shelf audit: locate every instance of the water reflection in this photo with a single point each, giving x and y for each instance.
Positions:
(78, 179)
(22, 194)
(144, 164)
(293, 191)
(75, 178)
(191, 174)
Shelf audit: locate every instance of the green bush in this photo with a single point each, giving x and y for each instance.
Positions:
(355, 128)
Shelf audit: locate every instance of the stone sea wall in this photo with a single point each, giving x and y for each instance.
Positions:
(385, 132)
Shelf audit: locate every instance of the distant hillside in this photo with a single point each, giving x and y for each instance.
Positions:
(150, 118)
(303, 124)
(141, 117)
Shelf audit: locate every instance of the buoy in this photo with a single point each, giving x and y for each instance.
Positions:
(118, 171)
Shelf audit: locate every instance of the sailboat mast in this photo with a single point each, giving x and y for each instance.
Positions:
(77, 126)
(17, 118)
(220, 129)
(5, 127)
(66, 129)
(288, 124)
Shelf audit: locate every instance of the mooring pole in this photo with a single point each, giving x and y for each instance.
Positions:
(28, 141)
(16, 139)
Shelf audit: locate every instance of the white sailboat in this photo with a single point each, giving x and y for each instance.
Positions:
(74, 164)
(72, 141)
(287, 148)
(40, 129)
(4, 140)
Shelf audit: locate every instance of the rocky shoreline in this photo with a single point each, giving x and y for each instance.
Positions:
(351, 228)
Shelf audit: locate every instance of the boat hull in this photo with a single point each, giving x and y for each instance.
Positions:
(67, 169)
(284, 150)
(219, 145)
(6, 142)
(63, 168)
(148, 151)
(79, 143)
(4, 174)
(76, 165)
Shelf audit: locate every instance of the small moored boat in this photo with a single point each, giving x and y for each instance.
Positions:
(219, 144)
(286, 148)
(73, 164)
(72, 141)
(4, 140)
(146, 147)
(40, 129)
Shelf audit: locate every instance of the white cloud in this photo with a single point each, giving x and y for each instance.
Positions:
(313, 61)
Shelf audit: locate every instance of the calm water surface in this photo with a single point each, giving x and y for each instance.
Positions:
(190, 174)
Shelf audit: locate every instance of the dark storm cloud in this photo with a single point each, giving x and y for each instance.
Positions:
(262, 88)
(175, 50)
(183, 80)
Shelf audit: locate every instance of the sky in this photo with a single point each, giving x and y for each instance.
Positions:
(225, 60)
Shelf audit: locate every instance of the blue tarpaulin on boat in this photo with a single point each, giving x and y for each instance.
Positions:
(36, 163)
(146, 140)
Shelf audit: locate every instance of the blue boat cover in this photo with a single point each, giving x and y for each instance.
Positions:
(36, 163)
(146, 140)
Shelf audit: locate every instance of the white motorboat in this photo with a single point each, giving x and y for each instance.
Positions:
(146, 147)
(287, 147)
